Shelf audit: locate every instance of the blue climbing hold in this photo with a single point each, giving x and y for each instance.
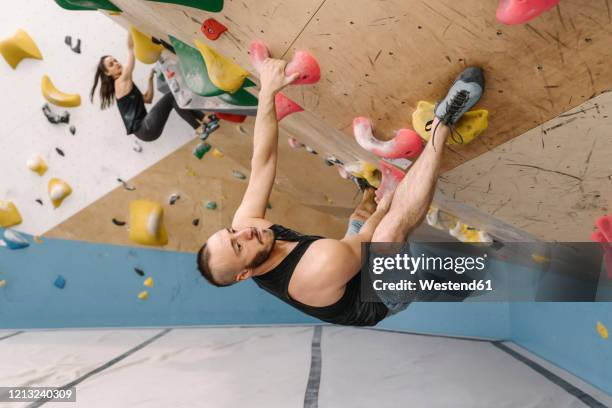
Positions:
(14, 240)
(60, 282)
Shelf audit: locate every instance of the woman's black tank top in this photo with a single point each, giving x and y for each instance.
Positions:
(132, 109)
(349, 310)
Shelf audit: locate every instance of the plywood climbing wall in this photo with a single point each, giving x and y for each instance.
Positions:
(380, 61)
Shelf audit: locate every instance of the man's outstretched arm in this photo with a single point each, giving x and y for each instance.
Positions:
(265, 146)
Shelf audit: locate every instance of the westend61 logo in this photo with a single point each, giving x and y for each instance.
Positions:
(404, 263)
(407, 263)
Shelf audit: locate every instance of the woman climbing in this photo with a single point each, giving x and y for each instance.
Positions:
(116, 84)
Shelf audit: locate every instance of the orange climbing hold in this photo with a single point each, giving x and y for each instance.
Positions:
(212, 29)
(285, 106)
(391, 177)
(521, 11)
(406, 143)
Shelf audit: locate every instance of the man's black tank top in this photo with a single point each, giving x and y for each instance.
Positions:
(349, 310)
(132, 109)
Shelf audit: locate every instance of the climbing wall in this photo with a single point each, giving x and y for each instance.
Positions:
(380, 61)
(188, 220)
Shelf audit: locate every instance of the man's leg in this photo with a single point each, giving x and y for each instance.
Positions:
(415, 192)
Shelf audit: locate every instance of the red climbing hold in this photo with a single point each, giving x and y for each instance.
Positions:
(306, 65)
(521, 11)
(604, 224)
(406, 143)
(230, 117)
(391, 177)
(212, 29)
(604, 236)
(285, 106)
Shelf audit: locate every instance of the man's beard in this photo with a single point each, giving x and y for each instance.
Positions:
(262, 256)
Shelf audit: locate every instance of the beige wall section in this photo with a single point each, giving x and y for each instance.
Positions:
(196, 182)
(553, 182)
(379, 59)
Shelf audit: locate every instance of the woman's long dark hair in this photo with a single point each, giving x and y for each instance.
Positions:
(107, 86)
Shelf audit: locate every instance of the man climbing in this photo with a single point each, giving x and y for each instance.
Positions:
(316, 275)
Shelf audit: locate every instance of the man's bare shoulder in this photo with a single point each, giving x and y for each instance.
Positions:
(323, 272)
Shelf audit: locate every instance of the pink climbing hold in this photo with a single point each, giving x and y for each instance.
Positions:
(258, 52)
(604, 224)
(294, 143)
(391, 177)
(604, 236)
(521, 11)
(306, 65)
(303, 63)
(285, 106)
(406, 143)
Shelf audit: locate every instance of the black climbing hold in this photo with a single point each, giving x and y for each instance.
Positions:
(39, 201)
(77, 47)
(139, 271)
(137, 148)
(60, 151)
(173, 198)
(126, 185)
(68, 41)
(53, 117)
(196, 222)
(72, 129)
(118, 222)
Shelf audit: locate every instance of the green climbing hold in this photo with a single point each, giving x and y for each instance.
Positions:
(240, 98)
(193, 69)
(207, 5)
(211, 205)
(269, 206)
(201, 149)
(88, 5)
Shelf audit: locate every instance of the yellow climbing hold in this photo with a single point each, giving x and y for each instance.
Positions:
(147, 223)
(9, 214)
(19, 46)
(148, 282)
(366, 171)
(57, 97)
(145, 49)
(540, 259)
(58, 191)
(602, 330)
(144, 295)
(470, 126)
(38, 165)
(224, 73)
(218, 153)
(466, 233)
(2, 283)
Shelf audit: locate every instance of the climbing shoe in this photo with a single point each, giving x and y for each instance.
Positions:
(461, 97)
